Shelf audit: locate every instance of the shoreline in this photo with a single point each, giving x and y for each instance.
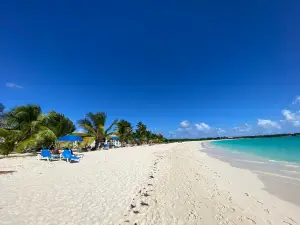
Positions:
(162, 184)
(280, 178)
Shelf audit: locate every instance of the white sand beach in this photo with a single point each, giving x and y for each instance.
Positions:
(161, 184)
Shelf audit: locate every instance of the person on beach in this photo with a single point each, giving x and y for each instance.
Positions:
(54, 151)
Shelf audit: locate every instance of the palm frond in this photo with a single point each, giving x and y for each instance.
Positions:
(59, 124)
(96, 118)
(88, 128)
(3, 133)
(111, 126)
(85, 121)
(28, 143)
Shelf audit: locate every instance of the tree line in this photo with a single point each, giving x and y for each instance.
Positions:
(238, 137)
(27, 127)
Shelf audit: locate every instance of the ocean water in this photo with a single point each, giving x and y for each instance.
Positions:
(285, 149)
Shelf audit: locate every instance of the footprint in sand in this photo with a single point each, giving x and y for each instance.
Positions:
(290, 219)
(267, 211)
(144, 203)
(146, 194)
(252, 220)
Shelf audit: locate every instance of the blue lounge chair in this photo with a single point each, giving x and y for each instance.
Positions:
(46, 154)
(67, 155)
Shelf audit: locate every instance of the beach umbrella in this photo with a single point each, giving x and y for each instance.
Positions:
(70, 138)
(114, 138)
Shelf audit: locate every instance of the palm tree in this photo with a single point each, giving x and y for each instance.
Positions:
(26, 128)
(59, 124)
(125, 130)
(148, 135)
(7, 144)
(160, 138)
(140, 131)
(94, 123)
(157, 138)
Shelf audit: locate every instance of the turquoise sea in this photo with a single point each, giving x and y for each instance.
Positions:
(278, 148)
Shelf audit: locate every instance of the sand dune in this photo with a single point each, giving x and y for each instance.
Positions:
(162, 184)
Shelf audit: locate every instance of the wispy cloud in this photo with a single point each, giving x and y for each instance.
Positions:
(297, 100)
(202, 127)
(268, 124)
(220, 130)
(184, 124)
(293, 118)
(243, 128)
(13, 85)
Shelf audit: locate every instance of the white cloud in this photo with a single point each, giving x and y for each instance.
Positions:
(268, 124)
(202, 126)
(293, 118)
(297, 100)
(288, 115)
(220, 130)
(243, 128)
(184, 124)
(13, 85)
(187, 129)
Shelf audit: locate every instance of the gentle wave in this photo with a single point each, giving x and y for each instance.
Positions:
(250, 161)
(290, 171)
(276, 175)
(271, 160)
(294, 166)
(278, 161)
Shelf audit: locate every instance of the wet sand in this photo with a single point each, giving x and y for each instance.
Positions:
(280, 178)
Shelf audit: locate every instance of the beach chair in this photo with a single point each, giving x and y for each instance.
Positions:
(67, 155)
(46, 154)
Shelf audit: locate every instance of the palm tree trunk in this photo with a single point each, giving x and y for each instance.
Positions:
(97, 143)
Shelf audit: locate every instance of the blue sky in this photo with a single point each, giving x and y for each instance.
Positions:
(192, 68)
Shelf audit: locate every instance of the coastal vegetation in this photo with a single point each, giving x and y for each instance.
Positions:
(26, 127)
(125, 130)
(94, 125)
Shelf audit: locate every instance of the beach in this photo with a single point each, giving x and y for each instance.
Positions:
(179, 183)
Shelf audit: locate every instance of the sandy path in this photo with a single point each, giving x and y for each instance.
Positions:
(189, 187)
(165, 184)
(98, 190)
